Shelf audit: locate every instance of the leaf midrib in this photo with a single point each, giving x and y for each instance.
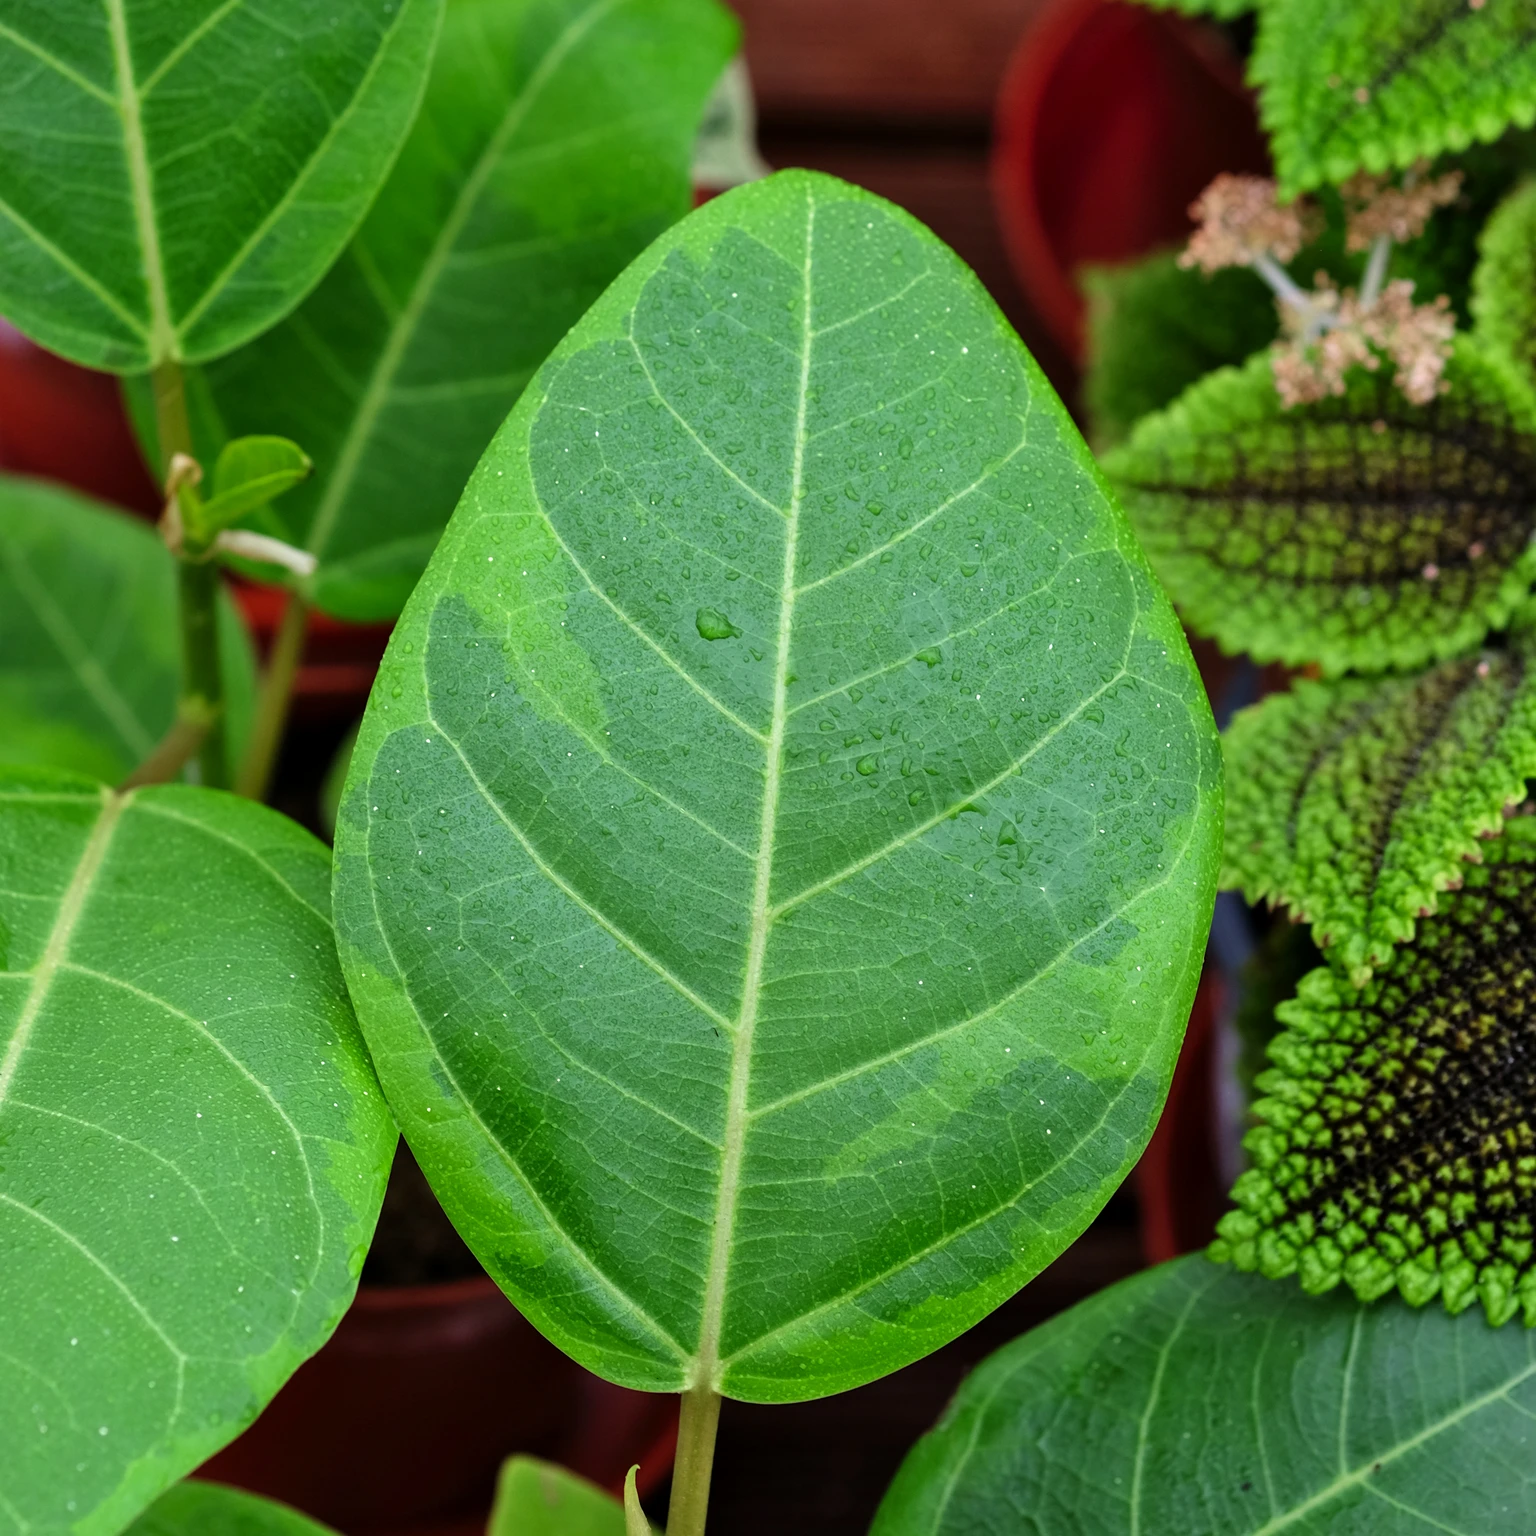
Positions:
(403, 326)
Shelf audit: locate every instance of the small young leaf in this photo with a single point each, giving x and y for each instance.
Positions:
(194, 1143)
(206, 1509)
(552, 147)
(176, 177)
(1355, 802)
(1377, 84)
(1398, 1135)
(1504, 284)
(1189, 1399)
(537, 1498)
(250, 472)
(1361, 532)
(90, 656)
(768, 1000)
(1155, 328)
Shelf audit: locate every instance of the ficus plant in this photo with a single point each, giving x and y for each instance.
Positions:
(774, 868)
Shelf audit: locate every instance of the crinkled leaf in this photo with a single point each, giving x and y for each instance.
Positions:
(1399, 1140)
(1360, 533)
(194, 1144)
(537, 1498)
(1377, 84)
(779, 849)
(90, 655)
(1155, 328)
(1355, 802)
(1190, 1399)
(553, 145)
(1222, 10)
(250, 472)
(206, 1509)
(1504, 284)
(175, 177)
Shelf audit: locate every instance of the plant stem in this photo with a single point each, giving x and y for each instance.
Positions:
(202, 678)
(255, 771)
(695, 1461)
(1375, 271)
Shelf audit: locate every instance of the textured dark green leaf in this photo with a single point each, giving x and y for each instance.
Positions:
(177, 174)
(1222, 10)
(90, 655)
(537, 1498)
(552, 146)
(1504, 284)
(1399, 1143)
(1192, 1400)
(206, 1509)
(1155, 328)
(1361, 532)
(778, 852)
(1355, 802)
(193, 1146)
(1376, 84)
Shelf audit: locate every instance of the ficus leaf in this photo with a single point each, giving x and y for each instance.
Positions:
(1356, 802)
(1504, 282)
(177, 176)
(206, 1509)
(1361, 532)
(552, 145)
(193, 1146)
(1397, 1143)
(1191, 1399)
(777, 855)
(89, 651)
(1378, 84)
(249, 473)
(538, 1498)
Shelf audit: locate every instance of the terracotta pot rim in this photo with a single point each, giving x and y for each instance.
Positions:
(423, 1298)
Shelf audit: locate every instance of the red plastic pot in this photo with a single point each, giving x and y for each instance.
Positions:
(1111, 120)
(398, 1425)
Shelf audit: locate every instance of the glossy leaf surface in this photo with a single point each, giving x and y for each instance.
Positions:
(249, 473)
(778, 852)
(1189, 1398)
(552, 146)
(1398, 1125)
(176, 176)
(89, 651)
(1362, 532)
(538, 1498)
(1377, 84)
(1504, 283)
(206, 1509)
(1355, 802)
(194, 1144)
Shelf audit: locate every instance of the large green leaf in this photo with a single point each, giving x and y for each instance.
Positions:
(1398, 1131)
(176, 174)
(90, 654)
(1355, 802)
(1361, 532)
(779, 850)
(537, 1498)
(193, 1146)
(1504, 284)
(1377, 84)
(206, 1509)
(1191, 1400)
(552, 147)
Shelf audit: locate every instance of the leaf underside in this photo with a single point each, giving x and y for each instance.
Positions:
(206, 1509)
(1189, 1398)
(90, 656)
(1504, 283)
(175, 178)
(774, 866)
(1361, 533)
(1355, 802)
(194, 1142)
(1377, 84)
(1398, 1146)
(552, 146)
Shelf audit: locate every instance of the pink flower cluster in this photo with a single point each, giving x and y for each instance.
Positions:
(1240, 221)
